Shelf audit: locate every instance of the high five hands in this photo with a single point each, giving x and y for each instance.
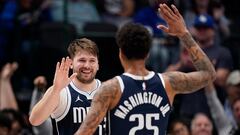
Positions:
(174, 20)
(61, 77)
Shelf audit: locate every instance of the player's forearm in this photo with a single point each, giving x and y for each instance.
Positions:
(90, 124)
(99, 107)
(199, 58)
(43, 109)
(101, 103)
(93, 119)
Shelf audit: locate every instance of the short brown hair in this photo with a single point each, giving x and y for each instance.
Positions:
(83, 44)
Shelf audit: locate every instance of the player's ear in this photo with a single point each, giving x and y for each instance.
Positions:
(120, 54)
(148, 55)
(71, 66)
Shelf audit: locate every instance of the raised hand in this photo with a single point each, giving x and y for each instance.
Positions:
(8, 70)
(175, 22)
(61, 78)
(40, 82)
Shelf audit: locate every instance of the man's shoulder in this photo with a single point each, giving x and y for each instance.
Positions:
(112, 84)
(112, 81)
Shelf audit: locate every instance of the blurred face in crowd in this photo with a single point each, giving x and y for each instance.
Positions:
(180, 129)
(236, 110)
(16, 128)
(85, 65)
(203, 35)
(186, 59)
(201, 125)
(202, 3)
(233, 92)
(4, 130)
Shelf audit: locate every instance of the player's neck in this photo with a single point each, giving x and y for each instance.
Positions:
(87, 87)
(136, 67)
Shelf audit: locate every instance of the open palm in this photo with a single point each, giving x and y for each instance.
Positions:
(175, 22)
(61, 78)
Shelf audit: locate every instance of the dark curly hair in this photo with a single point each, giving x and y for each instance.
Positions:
(134, 40)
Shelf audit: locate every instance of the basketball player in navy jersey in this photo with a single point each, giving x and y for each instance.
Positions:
(68, 100)
(140, 100)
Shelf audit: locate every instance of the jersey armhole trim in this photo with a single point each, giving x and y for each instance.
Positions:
(60, 117)
(121, 83)
(162, 80)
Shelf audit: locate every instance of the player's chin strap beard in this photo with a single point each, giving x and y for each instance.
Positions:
(144, 83)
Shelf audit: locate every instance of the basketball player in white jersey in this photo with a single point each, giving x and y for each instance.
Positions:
(69, 99)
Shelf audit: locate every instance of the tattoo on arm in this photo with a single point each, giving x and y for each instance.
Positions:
(100, 105)
(199, 58)
(188, 82)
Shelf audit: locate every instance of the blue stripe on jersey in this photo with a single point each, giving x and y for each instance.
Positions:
(139, 111)
(80, 105)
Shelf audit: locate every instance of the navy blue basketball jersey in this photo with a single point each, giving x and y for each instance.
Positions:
(76, 105)
(143, 108)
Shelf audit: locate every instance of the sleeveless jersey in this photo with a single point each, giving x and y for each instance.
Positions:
(143, 108)
(76, 105)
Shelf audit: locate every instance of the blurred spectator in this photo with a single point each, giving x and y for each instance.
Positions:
(162, 46)
(78, 12)
(233, 92)
(158, 56)
(149, 17)
(117, 12)
(164, 51)
(180, 127)
(29, 17)
(221, 121)
(8, 102)
(184, 63)
(19, 124)
(236, 113)
(7, 97)
(198, 7)
(40, 84)
(214, 8)
(31, 12)
(201, 125)
(220, 19)
(5, 124)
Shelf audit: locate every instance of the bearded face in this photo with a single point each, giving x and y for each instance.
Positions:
(86, 66)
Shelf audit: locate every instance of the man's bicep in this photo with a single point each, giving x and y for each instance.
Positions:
(107, 94)
(186, 82)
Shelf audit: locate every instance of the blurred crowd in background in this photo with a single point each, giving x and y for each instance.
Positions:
(34, 35)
